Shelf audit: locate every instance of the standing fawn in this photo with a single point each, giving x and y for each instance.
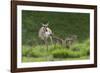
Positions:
(70, 40)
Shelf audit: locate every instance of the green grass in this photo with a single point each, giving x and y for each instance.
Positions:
(43, 59)
(78, 51)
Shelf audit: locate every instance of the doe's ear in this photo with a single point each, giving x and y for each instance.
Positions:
(42, 24)
(47, 24)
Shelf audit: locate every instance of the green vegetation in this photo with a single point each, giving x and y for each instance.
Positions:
(56, 52)
(62, 25)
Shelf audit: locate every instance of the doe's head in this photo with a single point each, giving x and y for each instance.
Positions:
(45, 25)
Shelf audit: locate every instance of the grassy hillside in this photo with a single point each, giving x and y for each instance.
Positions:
(62, 25)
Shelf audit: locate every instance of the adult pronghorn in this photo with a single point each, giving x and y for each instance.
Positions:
(45, 33)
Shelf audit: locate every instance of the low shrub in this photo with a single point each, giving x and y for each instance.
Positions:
(63, 53)
(83, 48)
(60, 53)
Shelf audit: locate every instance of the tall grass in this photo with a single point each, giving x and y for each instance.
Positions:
(56, 52)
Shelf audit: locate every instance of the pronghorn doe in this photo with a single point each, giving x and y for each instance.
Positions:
(45, 33)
